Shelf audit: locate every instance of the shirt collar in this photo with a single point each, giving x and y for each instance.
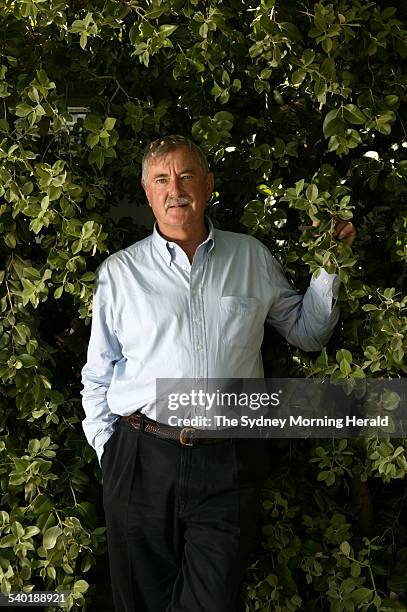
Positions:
(167, 248)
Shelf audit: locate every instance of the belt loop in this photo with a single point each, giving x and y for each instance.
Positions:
(142, 419)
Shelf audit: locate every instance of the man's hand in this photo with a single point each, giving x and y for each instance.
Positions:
(343, 229)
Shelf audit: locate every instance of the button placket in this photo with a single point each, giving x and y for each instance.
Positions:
(197, 328)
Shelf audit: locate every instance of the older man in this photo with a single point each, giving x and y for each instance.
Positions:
(189, 301)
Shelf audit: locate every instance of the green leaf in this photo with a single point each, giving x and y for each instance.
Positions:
(88, 229)
(167, 29)
(88, 276)
(298, 76)
(36, 225)
(134, 33)
(41, 505)
(362, 595)
(32, 273)
(342, 445)
(355, 570)
(327, 44)
(27, 360)
(88, 19)
(77, 26)
(391, 100)
(109, 123)
(299, 186)
(390, 400)
(93, 123)
(333, 123)
(224, 116)
(10, 240)
(312, 192)
(92, 140)
(76, 246)
(22, 110)
(308, 56)
(83, 40)
(353, 114)
(344, 355)
(50, 537)
(30, 532)
(33, 95)
(291, 29)
(17, 529)
(51, 572)
(345, 548)
(96, 157)
(330, 480)
(203, 30)
(80, 586)
(34, 446)
(8, 541)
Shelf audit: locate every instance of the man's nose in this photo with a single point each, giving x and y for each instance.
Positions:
(175, 186)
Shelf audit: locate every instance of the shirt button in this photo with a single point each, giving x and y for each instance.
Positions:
(199, 347)
(325, 281)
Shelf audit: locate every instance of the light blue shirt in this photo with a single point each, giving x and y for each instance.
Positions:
(155, 315)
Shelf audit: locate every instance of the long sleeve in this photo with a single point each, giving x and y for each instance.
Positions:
(104, 351)
(308, 320)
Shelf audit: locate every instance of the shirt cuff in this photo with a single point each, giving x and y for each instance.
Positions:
(326, 285)
(101, 443)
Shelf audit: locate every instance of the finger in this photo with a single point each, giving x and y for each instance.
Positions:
(340, 226)
(344, 232)
(348, 230)
(344, 228)
(348, 233)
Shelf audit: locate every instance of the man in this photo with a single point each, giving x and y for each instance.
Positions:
(189, 301)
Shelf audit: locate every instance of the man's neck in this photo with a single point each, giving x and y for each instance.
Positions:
(183, 238)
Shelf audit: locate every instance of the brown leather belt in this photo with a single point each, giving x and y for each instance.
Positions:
(186, 436)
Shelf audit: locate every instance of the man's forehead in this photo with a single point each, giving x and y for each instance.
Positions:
(163, 172)
(185, 161)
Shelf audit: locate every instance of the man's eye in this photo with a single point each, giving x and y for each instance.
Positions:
(187, 177)
(161, 180)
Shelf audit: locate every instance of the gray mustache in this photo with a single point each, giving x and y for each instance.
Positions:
(173, 201)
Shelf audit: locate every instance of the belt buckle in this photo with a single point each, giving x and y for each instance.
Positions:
(182, 435)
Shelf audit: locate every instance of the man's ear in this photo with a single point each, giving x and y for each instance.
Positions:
(210, 183)
(145, 191)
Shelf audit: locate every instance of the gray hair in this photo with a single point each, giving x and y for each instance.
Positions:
(164, 145)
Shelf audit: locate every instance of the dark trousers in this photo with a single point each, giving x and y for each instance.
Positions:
(181, 521)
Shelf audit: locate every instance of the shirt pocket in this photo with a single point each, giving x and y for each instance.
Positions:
(240, 321)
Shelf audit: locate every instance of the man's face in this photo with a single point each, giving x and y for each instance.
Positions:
(178, 190)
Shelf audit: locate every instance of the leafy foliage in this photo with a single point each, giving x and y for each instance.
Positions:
(299, 106)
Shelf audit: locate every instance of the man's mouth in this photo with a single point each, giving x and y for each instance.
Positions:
(177, 203)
